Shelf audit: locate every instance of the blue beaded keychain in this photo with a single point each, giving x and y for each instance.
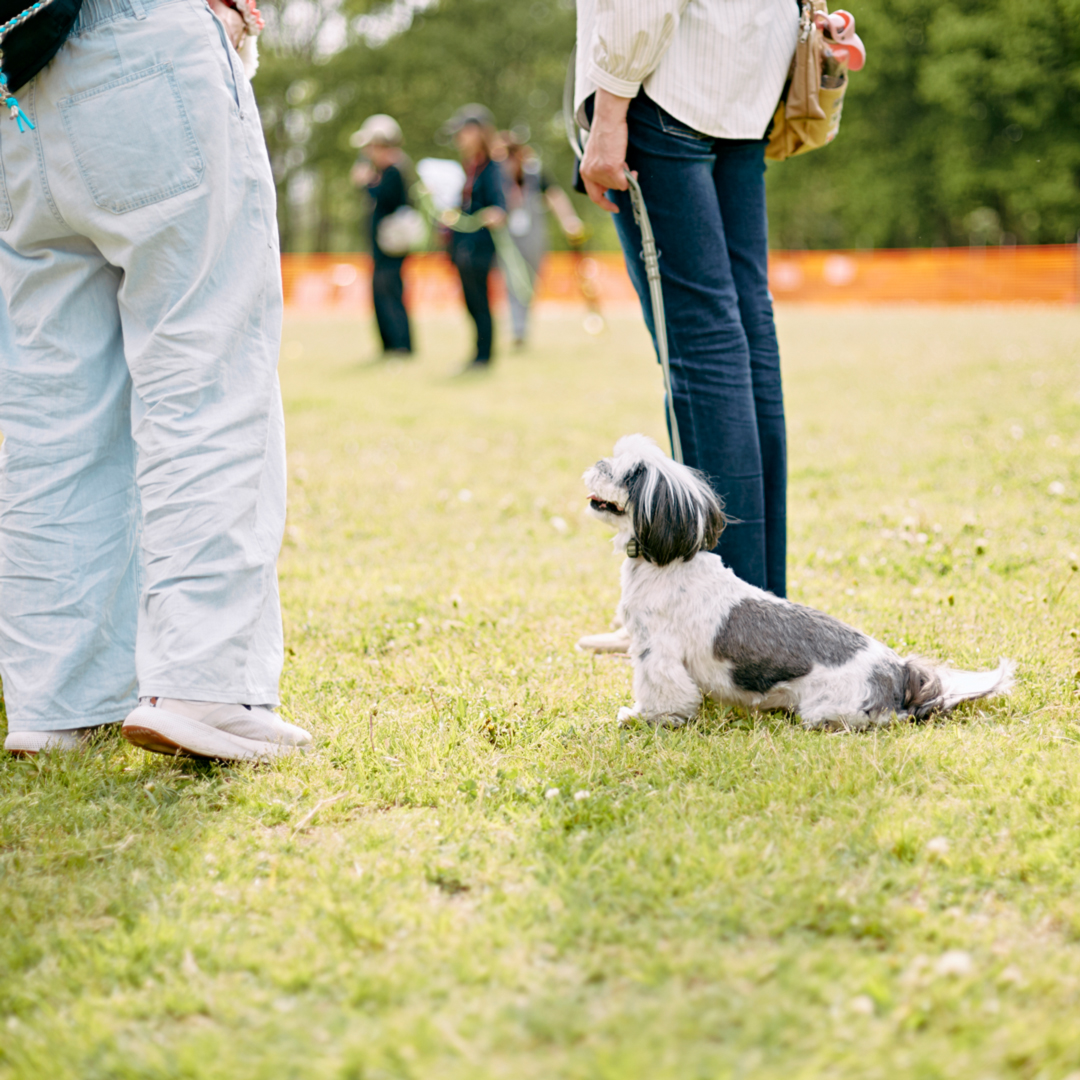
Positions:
(8, 99)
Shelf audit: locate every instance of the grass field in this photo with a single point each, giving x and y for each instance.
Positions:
(477, 873)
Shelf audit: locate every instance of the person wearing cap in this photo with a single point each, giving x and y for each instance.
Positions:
(682, 92)
(473, 253)
(384, 170)
(529, 194)
(142, 471)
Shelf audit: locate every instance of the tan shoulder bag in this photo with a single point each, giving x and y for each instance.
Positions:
(808, 115)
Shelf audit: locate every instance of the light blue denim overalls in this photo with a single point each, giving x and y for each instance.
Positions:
(142, 472)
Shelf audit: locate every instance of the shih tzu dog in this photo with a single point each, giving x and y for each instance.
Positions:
(694, 630)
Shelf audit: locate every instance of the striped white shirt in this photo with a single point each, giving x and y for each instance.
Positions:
(719, 66)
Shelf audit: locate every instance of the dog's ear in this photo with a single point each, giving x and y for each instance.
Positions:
(715, 518)
(676, 513)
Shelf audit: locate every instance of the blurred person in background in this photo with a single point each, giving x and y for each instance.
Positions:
(529, 194)
(386, 172)
(473, 253)
(682, 93)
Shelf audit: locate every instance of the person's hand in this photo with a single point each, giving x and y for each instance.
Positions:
(231, 19)
(603, 168)
(492, 217)
(574, 229)
(362, 174)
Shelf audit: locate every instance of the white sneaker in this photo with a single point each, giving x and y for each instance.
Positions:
(206, 729)
(28, 743)
(617, 642)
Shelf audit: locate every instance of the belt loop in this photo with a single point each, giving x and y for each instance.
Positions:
(137, 9)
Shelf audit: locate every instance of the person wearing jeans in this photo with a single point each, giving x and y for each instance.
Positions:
(473, 252)
(681, 92)
(142, 472)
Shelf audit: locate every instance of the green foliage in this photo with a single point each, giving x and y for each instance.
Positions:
(511, 57)
(963, 128)
(476, 874)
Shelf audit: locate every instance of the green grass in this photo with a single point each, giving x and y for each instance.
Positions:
(424, 896)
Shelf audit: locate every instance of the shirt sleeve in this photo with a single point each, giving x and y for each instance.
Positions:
(628, 40)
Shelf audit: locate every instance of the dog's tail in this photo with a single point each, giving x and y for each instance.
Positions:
(935, 688)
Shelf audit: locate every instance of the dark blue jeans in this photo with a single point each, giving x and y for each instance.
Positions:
(706, 202)
(388, 297)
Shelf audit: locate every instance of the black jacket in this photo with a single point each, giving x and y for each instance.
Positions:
(388, 194)
(486, 189)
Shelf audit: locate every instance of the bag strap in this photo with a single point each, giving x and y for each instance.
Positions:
(9, 100)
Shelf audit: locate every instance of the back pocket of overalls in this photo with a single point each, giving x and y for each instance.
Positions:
(133, 141)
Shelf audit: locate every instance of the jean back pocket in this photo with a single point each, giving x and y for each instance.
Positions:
(670, 126)
(133, 141)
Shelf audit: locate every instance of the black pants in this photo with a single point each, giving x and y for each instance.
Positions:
(387, 294)
(474, 283)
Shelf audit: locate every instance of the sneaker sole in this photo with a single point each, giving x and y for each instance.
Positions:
(167, 733)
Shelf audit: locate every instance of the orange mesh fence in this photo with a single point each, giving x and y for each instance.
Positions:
(343, 282)
(1002, 275)
(1046, 274)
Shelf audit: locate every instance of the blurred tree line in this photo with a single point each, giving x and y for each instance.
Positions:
(963, 128)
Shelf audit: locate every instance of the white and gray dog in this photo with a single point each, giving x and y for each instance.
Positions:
(693, 629)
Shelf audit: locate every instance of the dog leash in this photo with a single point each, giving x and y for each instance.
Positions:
(519, 279)
(649, 253)
(9, 99)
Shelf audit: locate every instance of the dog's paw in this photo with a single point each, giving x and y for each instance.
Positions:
(627, 717)
(860, 721)
(666, 720)
(616, 643)
(823, 723)
(833, 724)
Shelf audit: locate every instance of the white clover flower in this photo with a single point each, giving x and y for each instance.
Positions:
(955, 962)
(580, 796)
(939, 846)
(552, 793)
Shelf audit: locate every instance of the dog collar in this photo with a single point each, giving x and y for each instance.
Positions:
(635, 549)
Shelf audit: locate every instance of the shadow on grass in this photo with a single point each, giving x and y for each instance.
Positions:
(719, 720)
(715, 720)
(374, 364)
(97, 822)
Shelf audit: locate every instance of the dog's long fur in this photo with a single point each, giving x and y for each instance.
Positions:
(696, 630)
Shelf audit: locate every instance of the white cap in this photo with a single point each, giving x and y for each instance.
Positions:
(380, 129)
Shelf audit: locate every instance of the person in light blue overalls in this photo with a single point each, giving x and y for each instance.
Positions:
(142, 472)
